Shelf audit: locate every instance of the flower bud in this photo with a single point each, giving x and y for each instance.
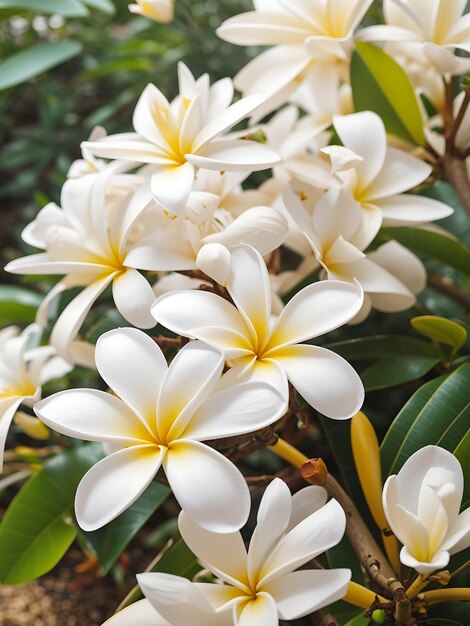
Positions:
(315, 472)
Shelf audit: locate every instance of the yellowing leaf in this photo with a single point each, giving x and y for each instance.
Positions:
(441, 329)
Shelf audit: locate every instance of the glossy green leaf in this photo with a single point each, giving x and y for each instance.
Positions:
(438, 413)
(431, 244)
(37, 528)
(384, 347)
(17, 304)
(359, 620)
(379, 84)
(462, 452)
(176, 559)
(67, 8)
(457, 223)
(105, 6)
(441, 329)
(396, 371)
(35, 60)
(109, 542)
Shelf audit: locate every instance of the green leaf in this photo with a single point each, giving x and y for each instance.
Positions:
(109, 542)
(438, 413)
(359, 620)
(462, 452)
(441, 329)
(17, 305)
(176, 559)
(431, 244)
(106, 6)
(379, 84)
(37, 528)
(397, 371)
(29, 63)
(384, 347)
(67, 8)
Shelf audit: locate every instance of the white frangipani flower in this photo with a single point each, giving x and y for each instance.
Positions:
(257, 346)
(378, 181)
(422, 504)
(435, 27)
(311, 39)
(162, 11)
(179, 137)
(218, 212)
(23, 369)
(331, 232)
(159, 418)
(260, 585)
(88, 240)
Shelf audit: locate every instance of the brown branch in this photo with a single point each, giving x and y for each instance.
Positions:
(242, 445)
(450, 142)
(447, 286)
(170, 342)
(455, 172)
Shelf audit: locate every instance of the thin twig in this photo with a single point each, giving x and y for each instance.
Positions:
(447, 286)
(450, 143)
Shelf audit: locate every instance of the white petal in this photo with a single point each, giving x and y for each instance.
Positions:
(458, 535)
(143, 120)
(402, 263)
(91, 415)
(355, 131)
(214, 260)
(73, 316)
(8, 408)
(316, 310)
(272, 70)
(438, 562)
(190, 378)
(141, 612)
(43, 263)
(261, 611)
(171, 187)
(243, 408)
(129, 147)
(223, 554)
(180, 601)
(207, 486)
(406, 209)
(337, 214)
(261, 29)
(400, 172)
(316, 534)
(235, 155)
(324, 379)
(261, 227)
(250, 289)
(221, 597)
(114, 484)
(273, 517)
(305, 502)
(133, 297)
(204, 316)
(163, 251)
(225, 120)
(300, 593)
(133, 366)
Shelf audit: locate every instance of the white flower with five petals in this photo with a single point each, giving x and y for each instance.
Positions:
(389, 276)
(179, 137)
(23, 369)
(263, 348)
(159, 418)
(260, 585)
(88, 240)
(422, 504)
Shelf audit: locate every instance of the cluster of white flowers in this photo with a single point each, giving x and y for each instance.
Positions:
(161, 211)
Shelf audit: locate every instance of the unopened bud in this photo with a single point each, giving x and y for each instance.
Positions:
(378, 616)
(315, 472)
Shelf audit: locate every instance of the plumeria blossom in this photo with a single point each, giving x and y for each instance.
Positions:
(260, 586)
(162, 11)
(310, 39)
(24, 367)
(422, 504)
(257, 346)
(159, 418)
(217, 216)
(331, 232)
(436, 27)
(88, 240)
(179, 137)
(380, 177)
